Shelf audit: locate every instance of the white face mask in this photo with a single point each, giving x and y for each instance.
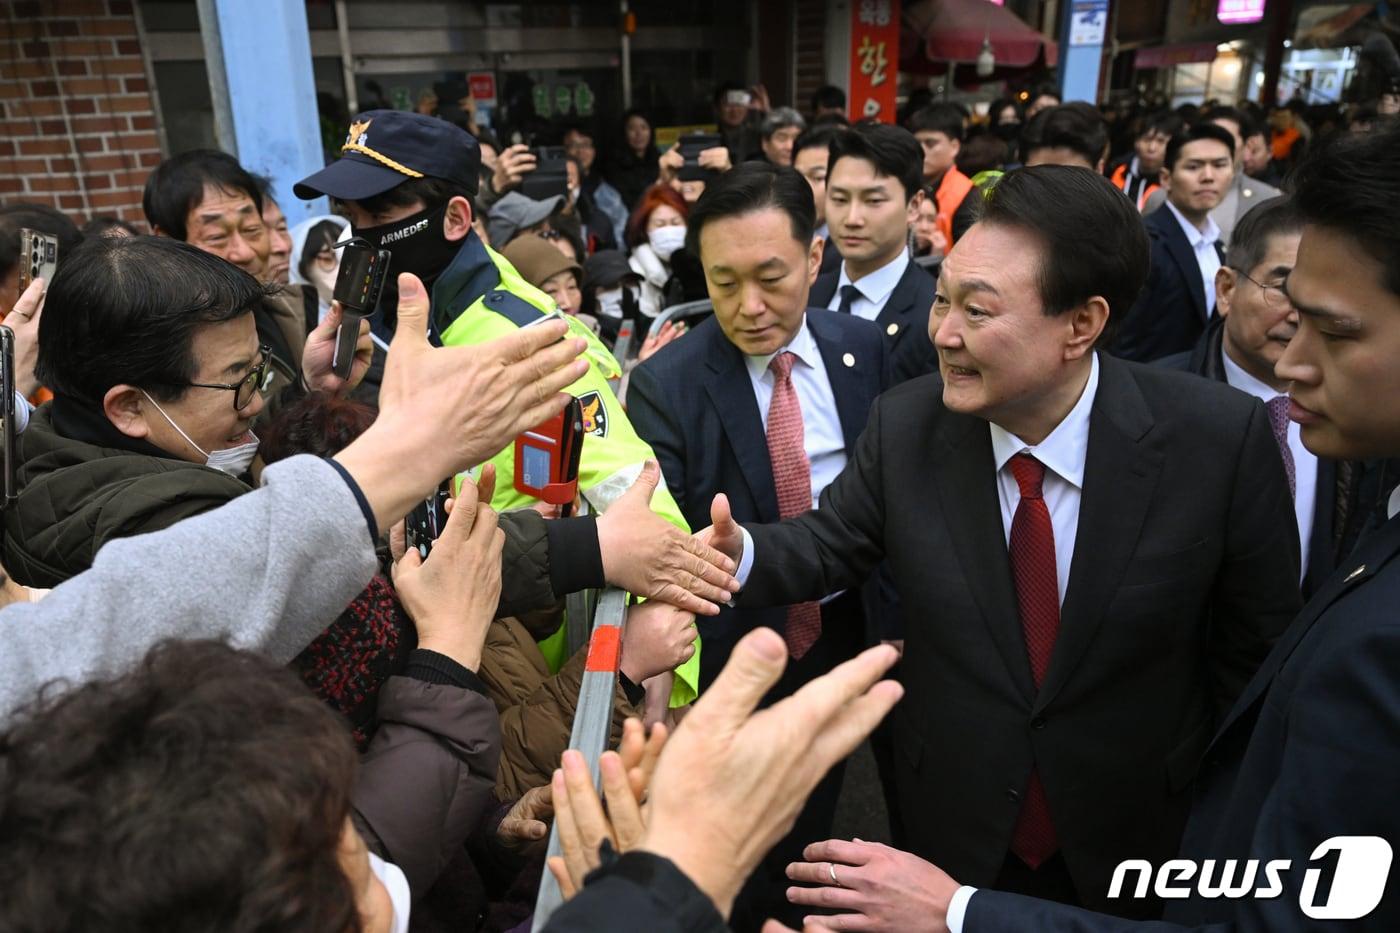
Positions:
(610, 303)
(397, 884)
(324, 281)
(666, 240)
(234, 460)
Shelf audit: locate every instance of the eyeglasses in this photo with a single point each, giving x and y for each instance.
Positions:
(243, 390)
(1274, 295)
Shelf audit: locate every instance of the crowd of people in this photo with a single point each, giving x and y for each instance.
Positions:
(1052, 450)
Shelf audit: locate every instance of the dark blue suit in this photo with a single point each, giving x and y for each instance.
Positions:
(1310, 751)
(903, 320)
(1171, 314)
(694, 403)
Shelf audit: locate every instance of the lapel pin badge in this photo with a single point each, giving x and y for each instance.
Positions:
(1355, 573)
(848, 359)
(892, 329)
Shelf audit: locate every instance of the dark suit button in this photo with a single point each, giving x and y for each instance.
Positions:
(1013, 795)
(1038, 722)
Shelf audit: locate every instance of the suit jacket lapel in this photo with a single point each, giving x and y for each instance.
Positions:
(965, 480)
(900, 303)
(1180, 250)
(731, 392)
(852, 404)
(1368, 558)
(1320, 546)
(1121, 471)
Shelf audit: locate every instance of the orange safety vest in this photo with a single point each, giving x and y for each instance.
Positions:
(951, 191)
(1120, 181)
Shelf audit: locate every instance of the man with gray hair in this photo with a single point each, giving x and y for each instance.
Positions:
(778, 131)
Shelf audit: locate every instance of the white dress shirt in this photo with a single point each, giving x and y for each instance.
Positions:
(1392, 507)
(1304, 461)
(1063, 452)
(874, 287)
(1203, 245)
(821, 425)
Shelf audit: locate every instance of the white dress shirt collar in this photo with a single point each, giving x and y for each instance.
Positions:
(1065, 449)
(1393, 506)
(876, 286)
(802, 344)
(1237, 377)
(1195, 236)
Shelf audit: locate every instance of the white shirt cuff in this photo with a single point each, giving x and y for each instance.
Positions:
(745, 559)
(957, 908)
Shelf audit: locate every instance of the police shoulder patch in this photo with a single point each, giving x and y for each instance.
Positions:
(595, 414)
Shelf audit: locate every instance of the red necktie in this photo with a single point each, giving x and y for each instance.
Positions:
(1032, 552)
(792, 479)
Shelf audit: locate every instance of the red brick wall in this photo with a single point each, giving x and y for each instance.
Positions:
(77, 122)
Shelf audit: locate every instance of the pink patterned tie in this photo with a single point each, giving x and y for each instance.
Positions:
(792, 479)
(1032, 551)
(1278, 420)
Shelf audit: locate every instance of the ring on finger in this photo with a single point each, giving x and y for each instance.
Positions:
(831, 870)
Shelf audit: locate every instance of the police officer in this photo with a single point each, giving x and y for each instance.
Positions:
(408, 183)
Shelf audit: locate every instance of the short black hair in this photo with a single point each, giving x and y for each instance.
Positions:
(124, 310)
(1351, 184)
(102, 226)
(1250, 239)
(40, 217)
(749, 187)
(206, 786)
(177, 186)
(1165, 122)
(893, 151)
(828, 95)
(1226, 113)
(818, 136)
(983, 152)
(1057, 204)
(1075, 126)
(1193, 134)
(938, 118)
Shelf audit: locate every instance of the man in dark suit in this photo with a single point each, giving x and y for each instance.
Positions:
(1092, 557)
(1332, 500)
(809, 156)
(873, 193)
(1174, 308)
(763, 404)
(1295, 797)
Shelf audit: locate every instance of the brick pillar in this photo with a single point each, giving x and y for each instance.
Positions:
(77, 120)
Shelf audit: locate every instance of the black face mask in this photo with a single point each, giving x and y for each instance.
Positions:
(418, 246)
(1007, 131)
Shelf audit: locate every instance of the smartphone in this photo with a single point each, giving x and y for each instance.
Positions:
(38, 254)
(692, 144)
(547, 458)
(358, 285)
(550, 177)
(742, 98)
(425, 523)
(7, 412)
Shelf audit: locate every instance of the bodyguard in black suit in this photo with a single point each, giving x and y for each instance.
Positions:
(873, 193)
(1058, 694)
(1333, 500)
(1302, 772)
(1173, 310)
(763, 403)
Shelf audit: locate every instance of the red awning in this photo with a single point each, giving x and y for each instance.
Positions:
(1165, 56)
(953, 30)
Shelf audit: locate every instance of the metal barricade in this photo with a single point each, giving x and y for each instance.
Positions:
(686, 309)
(592, 719)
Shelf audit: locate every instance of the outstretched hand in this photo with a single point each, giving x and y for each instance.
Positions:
(649, 557)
